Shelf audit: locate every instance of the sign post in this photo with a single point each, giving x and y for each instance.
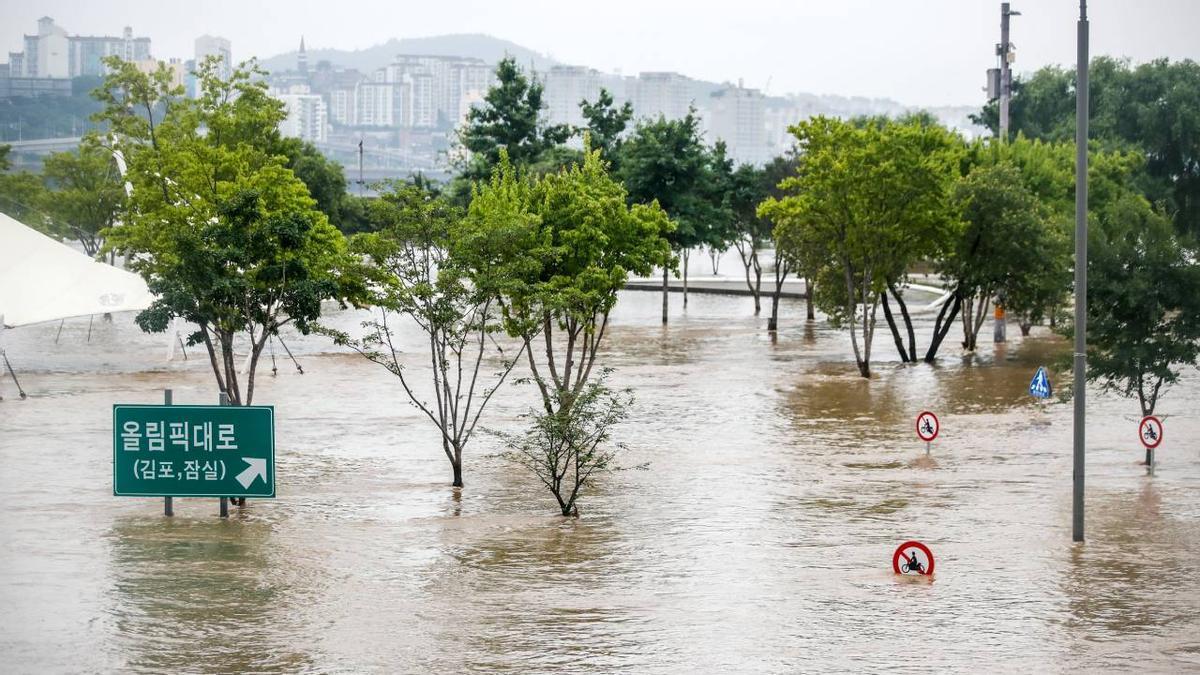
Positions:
(1150, 431)
(927, 428)
(168, 501)
(193, 451)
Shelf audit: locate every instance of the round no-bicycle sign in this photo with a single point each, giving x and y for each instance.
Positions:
(1150, 431)
(927, 426)
(912, 557)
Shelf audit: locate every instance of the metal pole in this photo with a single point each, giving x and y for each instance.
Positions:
(224, 400)
(1005, 72)
(168, 502)
(1081, 206)
(1000, 324)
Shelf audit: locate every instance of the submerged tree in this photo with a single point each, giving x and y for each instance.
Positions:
(1143, 301)
(565, 244)
(416, 275)
(666, 162)
(873, 198)
(565, 450)
(225, 235)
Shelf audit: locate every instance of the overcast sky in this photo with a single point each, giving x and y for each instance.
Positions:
(929, 52)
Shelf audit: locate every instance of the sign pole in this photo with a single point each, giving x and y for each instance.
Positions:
(1081, 208)
(224, 400)
(168, 502)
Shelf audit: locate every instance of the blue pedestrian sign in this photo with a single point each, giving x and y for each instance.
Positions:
(1040, 386)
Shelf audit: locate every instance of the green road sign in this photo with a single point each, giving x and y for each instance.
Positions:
(193, 451)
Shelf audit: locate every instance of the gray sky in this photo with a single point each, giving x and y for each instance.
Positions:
(928, 52)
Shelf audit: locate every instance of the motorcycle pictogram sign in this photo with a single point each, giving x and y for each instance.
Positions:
(912, 557)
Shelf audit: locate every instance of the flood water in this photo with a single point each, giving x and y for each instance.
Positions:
(758, 537)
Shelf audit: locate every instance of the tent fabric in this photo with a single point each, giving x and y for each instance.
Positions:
(44, 280)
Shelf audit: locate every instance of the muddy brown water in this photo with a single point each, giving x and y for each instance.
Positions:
(758, 537)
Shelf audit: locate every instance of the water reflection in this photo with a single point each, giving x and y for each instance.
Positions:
(188, 592)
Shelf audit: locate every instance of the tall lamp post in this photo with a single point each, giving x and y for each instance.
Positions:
(1081, 206)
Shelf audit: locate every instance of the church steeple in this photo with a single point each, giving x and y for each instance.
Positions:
(302, 59)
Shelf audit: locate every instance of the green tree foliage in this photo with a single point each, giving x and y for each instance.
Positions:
(566, 450)
(510, 119)
(66, 116)
(22, 196)
(606, 122)
(1143, 301)
(560, 248)
(666, 161)
(325, 179)
(86, 194)
(747, 187)
(1153, 107)
(223, 232)
(874, 198)
(1004, 248)
(416, 276)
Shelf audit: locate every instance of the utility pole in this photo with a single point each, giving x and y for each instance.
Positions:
(360, 167)
(1081, 207)
(1005, 51)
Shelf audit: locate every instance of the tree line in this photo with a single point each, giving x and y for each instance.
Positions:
(519, 260)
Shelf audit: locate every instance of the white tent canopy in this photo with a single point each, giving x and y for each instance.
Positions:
(43, 280)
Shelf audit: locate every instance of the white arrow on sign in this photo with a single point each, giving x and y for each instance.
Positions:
(257, 468)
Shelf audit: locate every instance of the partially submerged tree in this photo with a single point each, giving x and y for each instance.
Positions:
(225, 235)
(1004, 247)
(416, 275)
(873, 198)
(565, 243)
(564, 451)
(1143, 301)
(665, 161)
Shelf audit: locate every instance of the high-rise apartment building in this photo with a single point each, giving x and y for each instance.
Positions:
(211, 45)
(55, 54)
(565, 87)
(735, 115)
(307, 115)
(87, 52)
(666, 94)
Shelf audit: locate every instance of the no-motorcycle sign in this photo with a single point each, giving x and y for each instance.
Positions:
(912, 557)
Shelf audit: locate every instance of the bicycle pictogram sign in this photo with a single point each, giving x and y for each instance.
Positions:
(927, 426)
(1150, 430)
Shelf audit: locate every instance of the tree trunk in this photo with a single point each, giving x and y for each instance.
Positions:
(809, 312)
(912, 337)
(458, 481)
(713, 255)
(757, 283)
(1025, 328)
(685, 271)
(666, 289)
(891, 322)
(942, 329)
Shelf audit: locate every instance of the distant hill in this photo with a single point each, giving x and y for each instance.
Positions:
(484, 47)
